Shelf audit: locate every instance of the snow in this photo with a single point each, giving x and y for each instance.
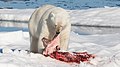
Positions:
(105, 47)
(99, 40)
(97, 17)
(15, 14)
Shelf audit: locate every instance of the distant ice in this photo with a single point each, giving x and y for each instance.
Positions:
(95, 20)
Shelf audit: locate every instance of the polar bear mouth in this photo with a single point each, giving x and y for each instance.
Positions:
(51, 45)
(57, 33)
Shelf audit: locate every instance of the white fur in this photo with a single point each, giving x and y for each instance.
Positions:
(45, 22)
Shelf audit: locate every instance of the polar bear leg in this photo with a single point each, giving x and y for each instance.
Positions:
(64, 41)
(64, 37)
(40, 45)
(34, 44)
(33, 25)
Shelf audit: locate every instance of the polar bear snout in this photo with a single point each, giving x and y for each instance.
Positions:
(58, 28)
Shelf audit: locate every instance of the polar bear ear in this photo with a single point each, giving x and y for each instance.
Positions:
(52, 15)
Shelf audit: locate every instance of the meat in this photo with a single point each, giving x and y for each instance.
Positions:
(68, 57)
(51, 45)
(52, 50)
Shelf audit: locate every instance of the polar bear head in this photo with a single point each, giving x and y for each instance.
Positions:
(59, 18)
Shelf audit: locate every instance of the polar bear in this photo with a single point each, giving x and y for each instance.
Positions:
(47, 21)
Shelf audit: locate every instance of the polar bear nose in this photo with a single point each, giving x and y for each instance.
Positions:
(57, 32)
(58, 28)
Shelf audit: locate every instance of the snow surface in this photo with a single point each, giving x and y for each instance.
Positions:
(16, 14)
(104, 46)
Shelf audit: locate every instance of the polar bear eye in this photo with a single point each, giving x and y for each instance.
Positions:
(61, 26)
